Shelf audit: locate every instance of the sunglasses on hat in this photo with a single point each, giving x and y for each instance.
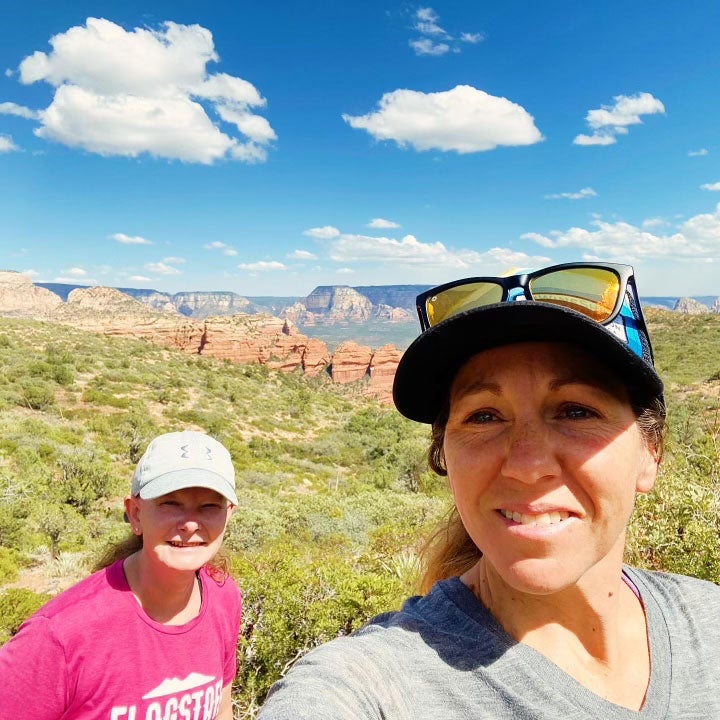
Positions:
(599, 291)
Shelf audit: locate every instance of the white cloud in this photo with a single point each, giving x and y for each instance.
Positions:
(139, 278)
(426, 46)
(426, 22)
(698, 238)
(262, 266)
(409, 252)
(383, 224)
(322, 233)
(174, 260)
(345, 271)
(714, 187)
(698, 153)
(72, 280)
(125, 93)
(655, 223)
(76, 272)
(226, 249)
(435, 40)
(30, 273)
(463, 119)
(302, 255)
(130, 239)
(7, 144)
(596, 139)
(580, 195)
(10, 108)
(609, 121)
(162, 268)
(626, 111)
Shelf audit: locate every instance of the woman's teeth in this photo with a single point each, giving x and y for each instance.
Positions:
(551, 518)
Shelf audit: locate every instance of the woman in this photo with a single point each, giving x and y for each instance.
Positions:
(547, 417)
(154, 634)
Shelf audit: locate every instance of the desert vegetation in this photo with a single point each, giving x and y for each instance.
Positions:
(335, 495)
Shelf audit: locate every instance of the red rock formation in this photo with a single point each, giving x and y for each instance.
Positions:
(315, 357)
(383, 365)
(350, 362)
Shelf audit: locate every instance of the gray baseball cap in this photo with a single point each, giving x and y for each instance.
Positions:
(184, 459)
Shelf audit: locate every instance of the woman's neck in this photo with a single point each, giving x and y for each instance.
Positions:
(595, 631)
(170, 598)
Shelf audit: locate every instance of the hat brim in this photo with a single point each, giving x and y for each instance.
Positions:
(187, 478)
(428, 367)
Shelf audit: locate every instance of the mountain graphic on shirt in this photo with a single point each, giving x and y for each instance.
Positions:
(176, 685)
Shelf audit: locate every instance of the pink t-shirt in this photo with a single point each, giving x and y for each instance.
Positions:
(92, 653)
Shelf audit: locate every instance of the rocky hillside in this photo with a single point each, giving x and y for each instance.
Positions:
(241, 338)
(198, 304)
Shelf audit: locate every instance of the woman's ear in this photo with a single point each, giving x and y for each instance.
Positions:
(132, 513)
(648, 471)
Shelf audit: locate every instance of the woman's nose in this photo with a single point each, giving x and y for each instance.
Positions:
(189, 522)
(531, 453)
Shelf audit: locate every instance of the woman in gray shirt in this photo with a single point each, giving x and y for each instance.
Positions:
(547, 417)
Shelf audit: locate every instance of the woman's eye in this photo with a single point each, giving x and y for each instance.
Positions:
(481, 417)
(577, 412)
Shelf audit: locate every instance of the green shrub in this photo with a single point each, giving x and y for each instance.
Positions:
(8, 565)
(16, 605)
(63, 374)
(295, 600)
(36, 394)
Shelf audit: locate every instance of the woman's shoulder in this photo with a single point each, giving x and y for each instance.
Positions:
(86, 593)
(73, 611)
(442, 616)
(660, 578)
(675, 589)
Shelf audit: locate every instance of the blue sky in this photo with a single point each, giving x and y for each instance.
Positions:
(266, 148)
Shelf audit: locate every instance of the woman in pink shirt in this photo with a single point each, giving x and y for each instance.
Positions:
(153, 634)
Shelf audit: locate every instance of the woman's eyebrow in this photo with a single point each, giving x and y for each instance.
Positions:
(476, 386)
(597, 383)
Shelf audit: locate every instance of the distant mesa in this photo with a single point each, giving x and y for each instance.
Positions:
(690, 306)
(325, 305)
(340, 304)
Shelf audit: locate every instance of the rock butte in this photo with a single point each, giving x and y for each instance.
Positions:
(244, 339)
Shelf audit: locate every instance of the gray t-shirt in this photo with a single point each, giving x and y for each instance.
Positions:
(444, 657)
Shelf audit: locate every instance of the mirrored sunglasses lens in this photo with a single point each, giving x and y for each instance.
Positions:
(590, 291)
(461, 298)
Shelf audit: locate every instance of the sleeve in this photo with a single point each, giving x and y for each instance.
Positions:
(333, 682)
(33, 673)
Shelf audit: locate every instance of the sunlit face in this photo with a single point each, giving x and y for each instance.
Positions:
(182, 530)
(544, 457)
